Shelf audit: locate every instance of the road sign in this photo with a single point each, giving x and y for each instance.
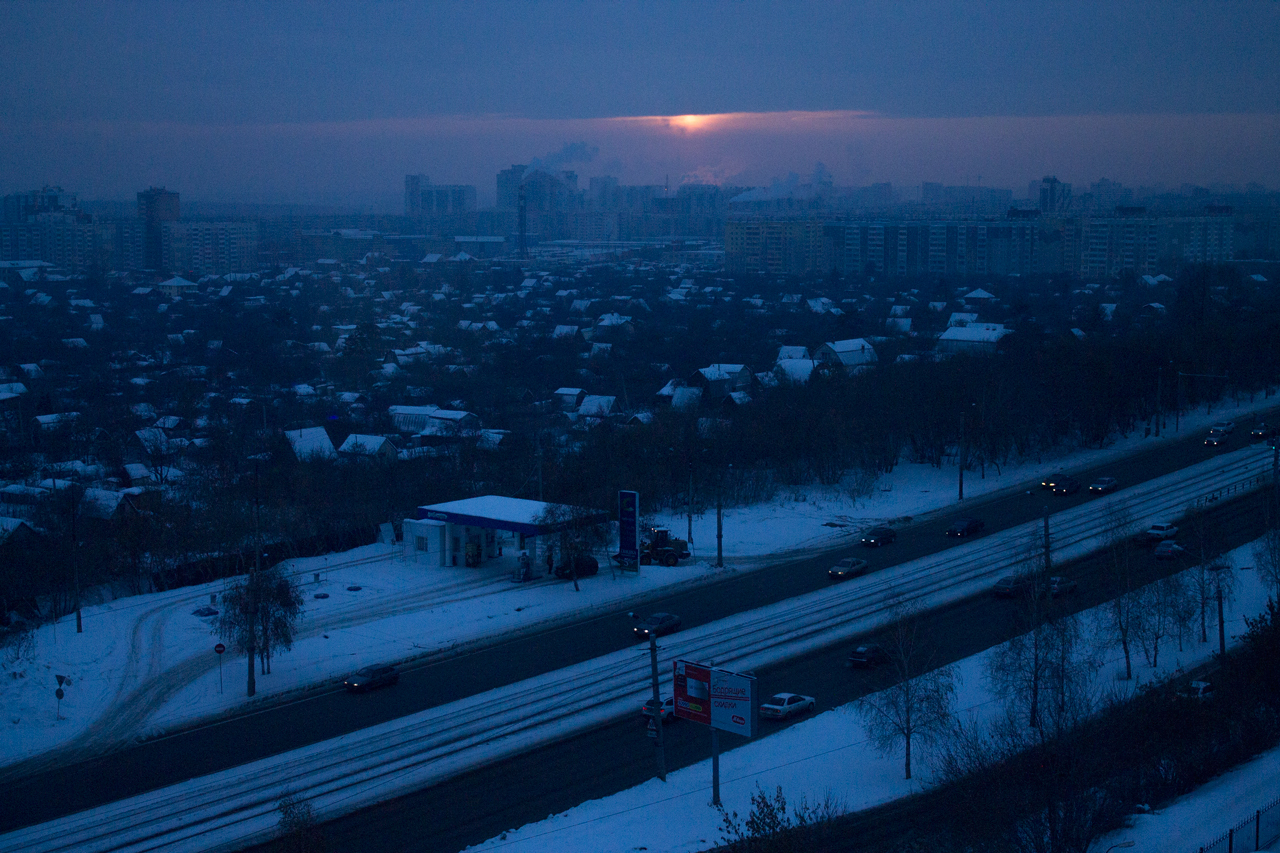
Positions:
(61, 679)
(219, 648)
(59, 693)
(715, 697)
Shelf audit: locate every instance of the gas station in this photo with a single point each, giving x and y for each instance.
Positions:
(474, 531)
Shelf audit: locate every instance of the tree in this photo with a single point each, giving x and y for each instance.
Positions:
(576, 533)
(259, 612)
(1123, 612)
(917, 708)
(1266, 553)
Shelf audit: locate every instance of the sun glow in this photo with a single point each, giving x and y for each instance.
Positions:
(778, 121)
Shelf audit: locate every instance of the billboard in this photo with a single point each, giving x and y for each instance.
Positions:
(629, 529)
(715, 697)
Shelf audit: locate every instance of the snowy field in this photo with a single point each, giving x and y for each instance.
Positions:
(145, 665)
(830, 758)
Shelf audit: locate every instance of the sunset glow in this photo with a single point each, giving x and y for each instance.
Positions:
(711, 122)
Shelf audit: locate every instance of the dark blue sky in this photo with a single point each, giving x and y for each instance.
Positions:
(317, 102)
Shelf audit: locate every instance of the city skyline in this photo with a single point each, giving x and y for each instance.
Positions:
(337, 104)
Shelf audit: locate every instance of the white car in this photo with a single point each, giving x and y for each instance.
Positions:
(1160, 531)
(668, 709)
(784, 705)
(1226, 427)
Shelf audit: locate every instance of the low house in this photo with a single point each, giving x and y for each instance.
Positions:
(311, 443)
(359, 446)
(850, 355)
(976, 338)
(790, 352)
(794, 370)
(177, 287)
(721, 380)
(569, 398)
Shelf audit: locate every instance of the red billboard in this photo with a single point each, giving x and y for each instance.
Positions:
(715, 697)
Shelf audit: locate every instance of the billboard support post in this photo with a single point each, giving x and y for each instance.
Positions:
(629, 530)
(715, 766)
(657, 709)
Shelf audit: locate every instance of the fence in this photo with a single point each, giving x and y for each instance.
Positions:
(1252, 833)
(1234, 489)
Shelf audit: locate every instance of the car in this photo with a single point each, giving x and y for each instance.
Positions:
(1261, 431)
(783, 705)
(1167, 549)
(1213, 439)
(849, 567)
(668, 709)
(1052, 480)
(383, 675)
(1103, 485)
(868, 656)
(656, 625)
(1198, 690)
(1160, 531)
(1224, 427)
(1057, 586)
(584, 566)
(1066, 486)
(877, 536)
(1008, 587)
(966, 527)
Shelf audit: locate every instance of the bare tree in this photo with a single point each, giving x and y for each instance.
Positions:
(259, 612)
(918, 707)
(577, 531)
(1123, 611)
(1266, 554)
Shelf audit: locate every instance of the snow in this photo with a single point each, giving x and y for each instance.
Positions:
(145, 664)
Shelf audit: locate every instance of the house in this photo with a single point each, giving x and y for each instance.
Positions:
(685, 399)
(368, 447)
(596, 406)
(411, 419)
(569, 398)
(851, 355)
(310, 443)
(788, 352)
(720, 380)
(794, 370)
(962, 318)
(177, 287)
(976, 338)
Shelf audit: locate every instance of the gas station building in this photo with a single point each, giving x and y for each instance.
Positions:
(472, 531)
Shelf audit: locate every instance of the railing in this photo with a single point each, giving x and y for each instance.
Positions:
(1234, 489)
(1252, 833)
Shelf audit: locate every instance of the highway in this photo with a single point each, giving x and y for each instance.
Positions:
(452, 739)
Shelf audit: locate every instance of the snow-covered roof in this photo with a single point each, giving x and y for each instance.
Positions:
(796, 370)
(975, 333)
(310, 442)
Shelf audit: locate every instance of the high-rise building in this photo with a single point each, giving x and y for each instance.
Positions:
(155, 207)
(423, 198)
(413, 185)
(1050, 195)
(509, 187)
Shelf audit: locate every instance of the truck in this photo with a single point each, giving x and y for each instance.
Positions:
(660, 547)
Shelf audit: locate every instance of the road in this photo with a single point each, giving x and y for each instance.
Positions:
(319, 717)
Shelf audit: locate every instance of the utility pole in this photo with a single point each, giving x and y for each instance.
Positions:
(1048, 555)
(656, 719)
(689, 536)
(1159, 413)
(253, 580)
(960, 454)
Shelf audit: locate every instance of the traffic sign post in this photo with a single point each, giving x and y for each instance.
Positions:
(219, 649)
(62, 679)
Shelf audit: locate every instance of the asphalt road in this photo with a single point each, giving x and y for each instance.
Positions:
(163, 761)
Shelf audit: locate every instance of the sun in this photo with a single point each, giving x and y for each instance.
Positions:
(691, 122)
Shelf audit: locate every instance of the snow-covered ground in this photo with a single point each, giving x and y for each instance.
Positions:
(830, 758)
(146, 664)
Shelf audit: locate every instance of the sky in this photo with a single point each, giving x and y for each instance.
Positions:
(328, 102)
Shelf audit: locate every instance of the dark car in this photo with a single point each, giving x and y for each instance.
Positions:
(1058, 586)
(1103, 485)
(966, 527)
(849, 567)
(877, 536)
(656, 625)
(1052, 480)
(1011, 586)
(1262, 432)
(1066, 486)
(867, 657)
(584, 566)
(371, 677)
(1215, 438)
